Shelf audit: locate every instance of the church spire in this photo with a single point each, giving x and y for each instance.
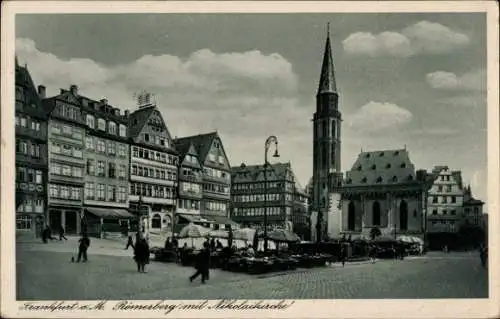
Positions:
(327, 82)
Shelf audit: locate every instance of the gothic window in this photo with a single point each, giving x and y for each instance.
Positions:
(325, 155)
(325, 129)
(333, 154)
(334, 135)
(376, 214)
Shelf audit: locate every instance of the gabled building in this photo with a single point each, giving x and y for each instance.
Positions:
(31, 154)
(190, 188)
(445, 202)
(153, 166)
(216, 194)
(473, 209)
(106, 175)
(285, 202)
(66, 136)
(383, 190)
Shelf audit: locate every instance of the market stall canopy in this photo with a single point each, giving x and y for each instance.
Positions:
(193, 231)
(384, 240)
(219, 233)
(244, 234)
(110, 213)
(281, 235)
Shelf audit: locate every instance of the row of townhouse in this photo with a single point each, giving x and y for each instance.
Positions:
(83, 165)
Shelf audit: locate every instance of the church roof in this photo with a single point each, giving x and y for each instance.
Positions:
(327, 83)
(383, 167)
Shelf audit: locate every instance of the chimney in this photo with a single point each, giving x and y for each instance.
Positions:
(127, 113)
(104, 102)
(421, 175)
(41, 91)
(62, 91)
(74, 89)
(116, 112)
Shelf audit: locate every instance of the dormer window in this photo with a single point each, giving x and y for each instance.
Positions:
(123, 130)
(379, 179)
(367, 155)
(146, 137)
(349, 181)
(410, 177)
(360, 168)
(381, 154)
(112, 128)
(396, 153)
(101, 124)
(388, 166)
(403, 165)
(364, 180)
(374, 166)
(394, 178)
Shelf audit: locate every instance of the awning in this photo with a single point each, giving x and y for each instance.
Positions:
(115, 213)
(219, 220)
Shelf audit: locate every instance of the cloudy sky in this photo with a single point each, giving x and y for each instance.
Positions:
(404, 79)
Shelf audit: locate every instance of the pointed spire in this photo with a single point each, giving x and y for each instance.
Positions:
(327, 83)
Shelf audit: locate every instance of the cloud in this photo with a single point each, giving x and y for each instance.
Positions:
(245, 96)
(443, 80)
(376, 116)
(422, 37)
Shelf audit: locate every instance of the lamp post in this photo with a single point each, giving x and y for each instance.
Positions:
(270, 140)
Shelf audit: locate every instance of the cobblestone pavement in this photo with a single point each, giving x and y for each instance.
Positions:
(50, 275)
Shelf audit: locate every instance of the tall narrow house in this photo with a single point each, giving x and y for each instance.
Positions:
(31, 155)
(327, 121)
(66, 134)
(216, 196)
(153, 167)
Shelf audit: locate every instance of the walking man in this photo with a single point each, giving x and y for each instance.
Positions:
(130, 243)
(141, 254)
(61, 233)
(82, 248)
(202, 264)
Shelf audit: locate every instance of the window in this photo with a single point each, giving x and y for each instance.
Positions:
(55, 129)
(112, 128)
(122, 171)
(101, 146)
(440, 188)
(89, 191)
(453, 199)
(75, 193)
(123, 130)
(101, 124)
(111, 147)
(434, 212)
(66, 170)
(23, 222)
(448, 188)
(122, 150)
(90, 121)
(111, 193)
(156, 221)
(18, 121)
(67, 129)
(434, 199)
(66, 150)
(31, 176)
(111, 170)
(64, 192)
(445, 212)
(55, 168)
(89, 142)
(101, 191)
(453, 212)
(100, 168)
(122, 194)
(77, 152)
(90, 167)
(38, 178)
(24, 122)
(146, 137)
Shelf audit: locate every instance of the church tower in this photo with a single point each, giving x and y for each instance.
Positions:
(327, 121)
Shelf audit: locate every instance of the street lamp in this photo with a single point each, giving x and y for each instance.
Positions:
(270, 140)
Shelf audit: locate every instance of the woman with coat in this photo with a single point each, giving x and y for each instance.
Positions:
(141, 254)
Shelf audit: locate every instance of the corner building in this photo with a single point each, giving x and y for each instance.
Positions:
(153, 167)
(31, 155)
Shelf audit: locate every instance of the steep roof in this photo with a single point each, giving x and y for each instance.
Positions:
(23, 79)
(327, 82)
(383, 167)
(201, 142)
(254, 173)
(138, 119)
(103, 111)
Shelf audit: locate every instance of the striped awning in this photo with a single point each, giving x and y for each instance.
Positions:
(115, 213)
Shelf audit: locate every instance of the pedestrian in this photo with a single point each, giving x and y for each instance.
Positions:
(343, 254)
(218, 245)
(202, 264)
(47, 234)
(141, 254)
(212, 244)
(130, 242)
(373, 253)
(61, 233)
(83, 246)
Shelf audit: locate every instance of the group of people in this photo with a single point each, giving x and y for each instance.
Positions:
(47, 234)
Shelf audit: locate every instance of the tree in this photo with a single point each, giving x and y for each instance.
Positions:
(375, 232)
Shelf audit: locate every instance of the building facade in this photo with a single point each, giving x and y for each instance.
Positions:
(31, 155)
(66, 134)
(327, 122)
(301, 220)
(473, 209)
(383, 190)
(216, 179)
(106, 175)
(445, 202)
(153, 167)
(190, 188)
(249, 201)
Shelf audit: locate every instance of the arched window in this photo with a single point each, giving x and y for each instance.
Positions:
(156, 221)
(334, 133)
(351, 217)
(376, 214)
(403, 215)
